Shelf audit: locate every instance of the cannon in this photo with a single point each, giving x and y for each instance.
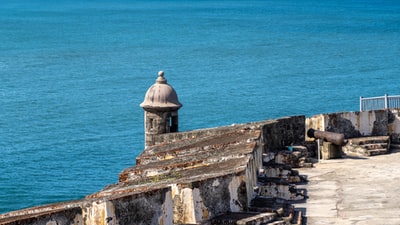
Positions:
(335, 138)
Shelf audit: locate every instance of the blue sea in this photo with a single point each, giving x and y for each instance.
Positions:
(73, 73)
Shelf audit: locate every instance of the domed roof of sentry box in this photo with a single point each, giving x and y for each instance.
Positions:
(161, 96)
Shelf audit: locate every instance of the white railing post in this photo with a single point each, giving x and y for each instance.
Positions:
(386, 101)
(361, 100)
(319, 150)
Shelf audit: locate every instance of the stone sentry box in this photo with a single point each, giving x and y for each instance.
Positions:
(161, 107)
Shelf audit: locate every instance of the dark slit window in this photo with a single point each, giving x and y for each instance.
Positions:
(173, 124)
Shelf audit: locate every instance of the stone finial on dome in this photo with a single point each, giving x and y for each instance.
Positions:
(161, 96)
(161, 79)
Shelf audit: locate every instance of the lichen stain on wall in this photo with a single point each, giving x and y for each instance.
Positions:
(188, 205)
(168, 210)
(193, 203)
(183, 205)
(234, 186)
(100, 213)
(394, 125)
(201, 212)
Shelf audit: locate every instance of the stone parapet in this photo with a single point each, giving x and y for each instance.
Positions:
(359, 124)
(194, 177)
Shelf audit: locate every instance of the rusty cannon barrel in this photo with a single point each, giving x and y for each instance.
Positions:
(335, 138)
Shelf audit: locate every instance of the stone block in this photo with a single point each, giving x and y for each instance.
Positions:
(331, 151)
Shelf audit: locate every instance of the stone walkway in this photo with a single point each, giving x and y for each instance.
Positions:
(356, 191)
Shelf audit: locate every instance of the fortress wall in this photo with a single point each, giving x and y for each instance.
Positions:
(255, 164)
(185, 202)
(192, 200)
(201, 133)
(352, 124)
(69, 213)
(283, 132)
(394, 125)
(359, 124)
(151, 207)
(180, 203)
(205, 199)
(277, 133)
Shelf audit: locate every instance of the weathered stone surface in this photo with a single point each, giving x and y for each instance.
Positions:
(353, 191)
(277, 134)
(367, 146)
(192, 177)
(146, 208)
(296, 157)
(340, 123)
(65, 213)
(244, 218)
(358, 124)
(280, 171)
(281, 190)
(330, 151)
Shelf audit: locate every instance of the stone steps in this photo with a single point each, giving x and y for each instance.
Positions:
(160, 161)
(286, 211)
(360, 150)
(395, 147)
(154, 154)
(369, 140)
(282, 171)
(277, 178)
(185, 176)
(189, 160)
(379, 151)
(297, 217)
(248, 218)
(367, 146)
(375, 146)
(280, 188)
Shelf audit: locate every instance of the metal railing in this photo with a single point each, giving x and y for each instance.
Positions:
(381, 102)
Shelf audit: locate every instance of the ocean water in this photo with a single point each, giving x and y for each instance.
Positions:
(73, 73)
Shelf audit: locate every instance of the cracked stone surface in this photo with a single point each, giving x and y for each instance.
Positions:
(356, 191)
